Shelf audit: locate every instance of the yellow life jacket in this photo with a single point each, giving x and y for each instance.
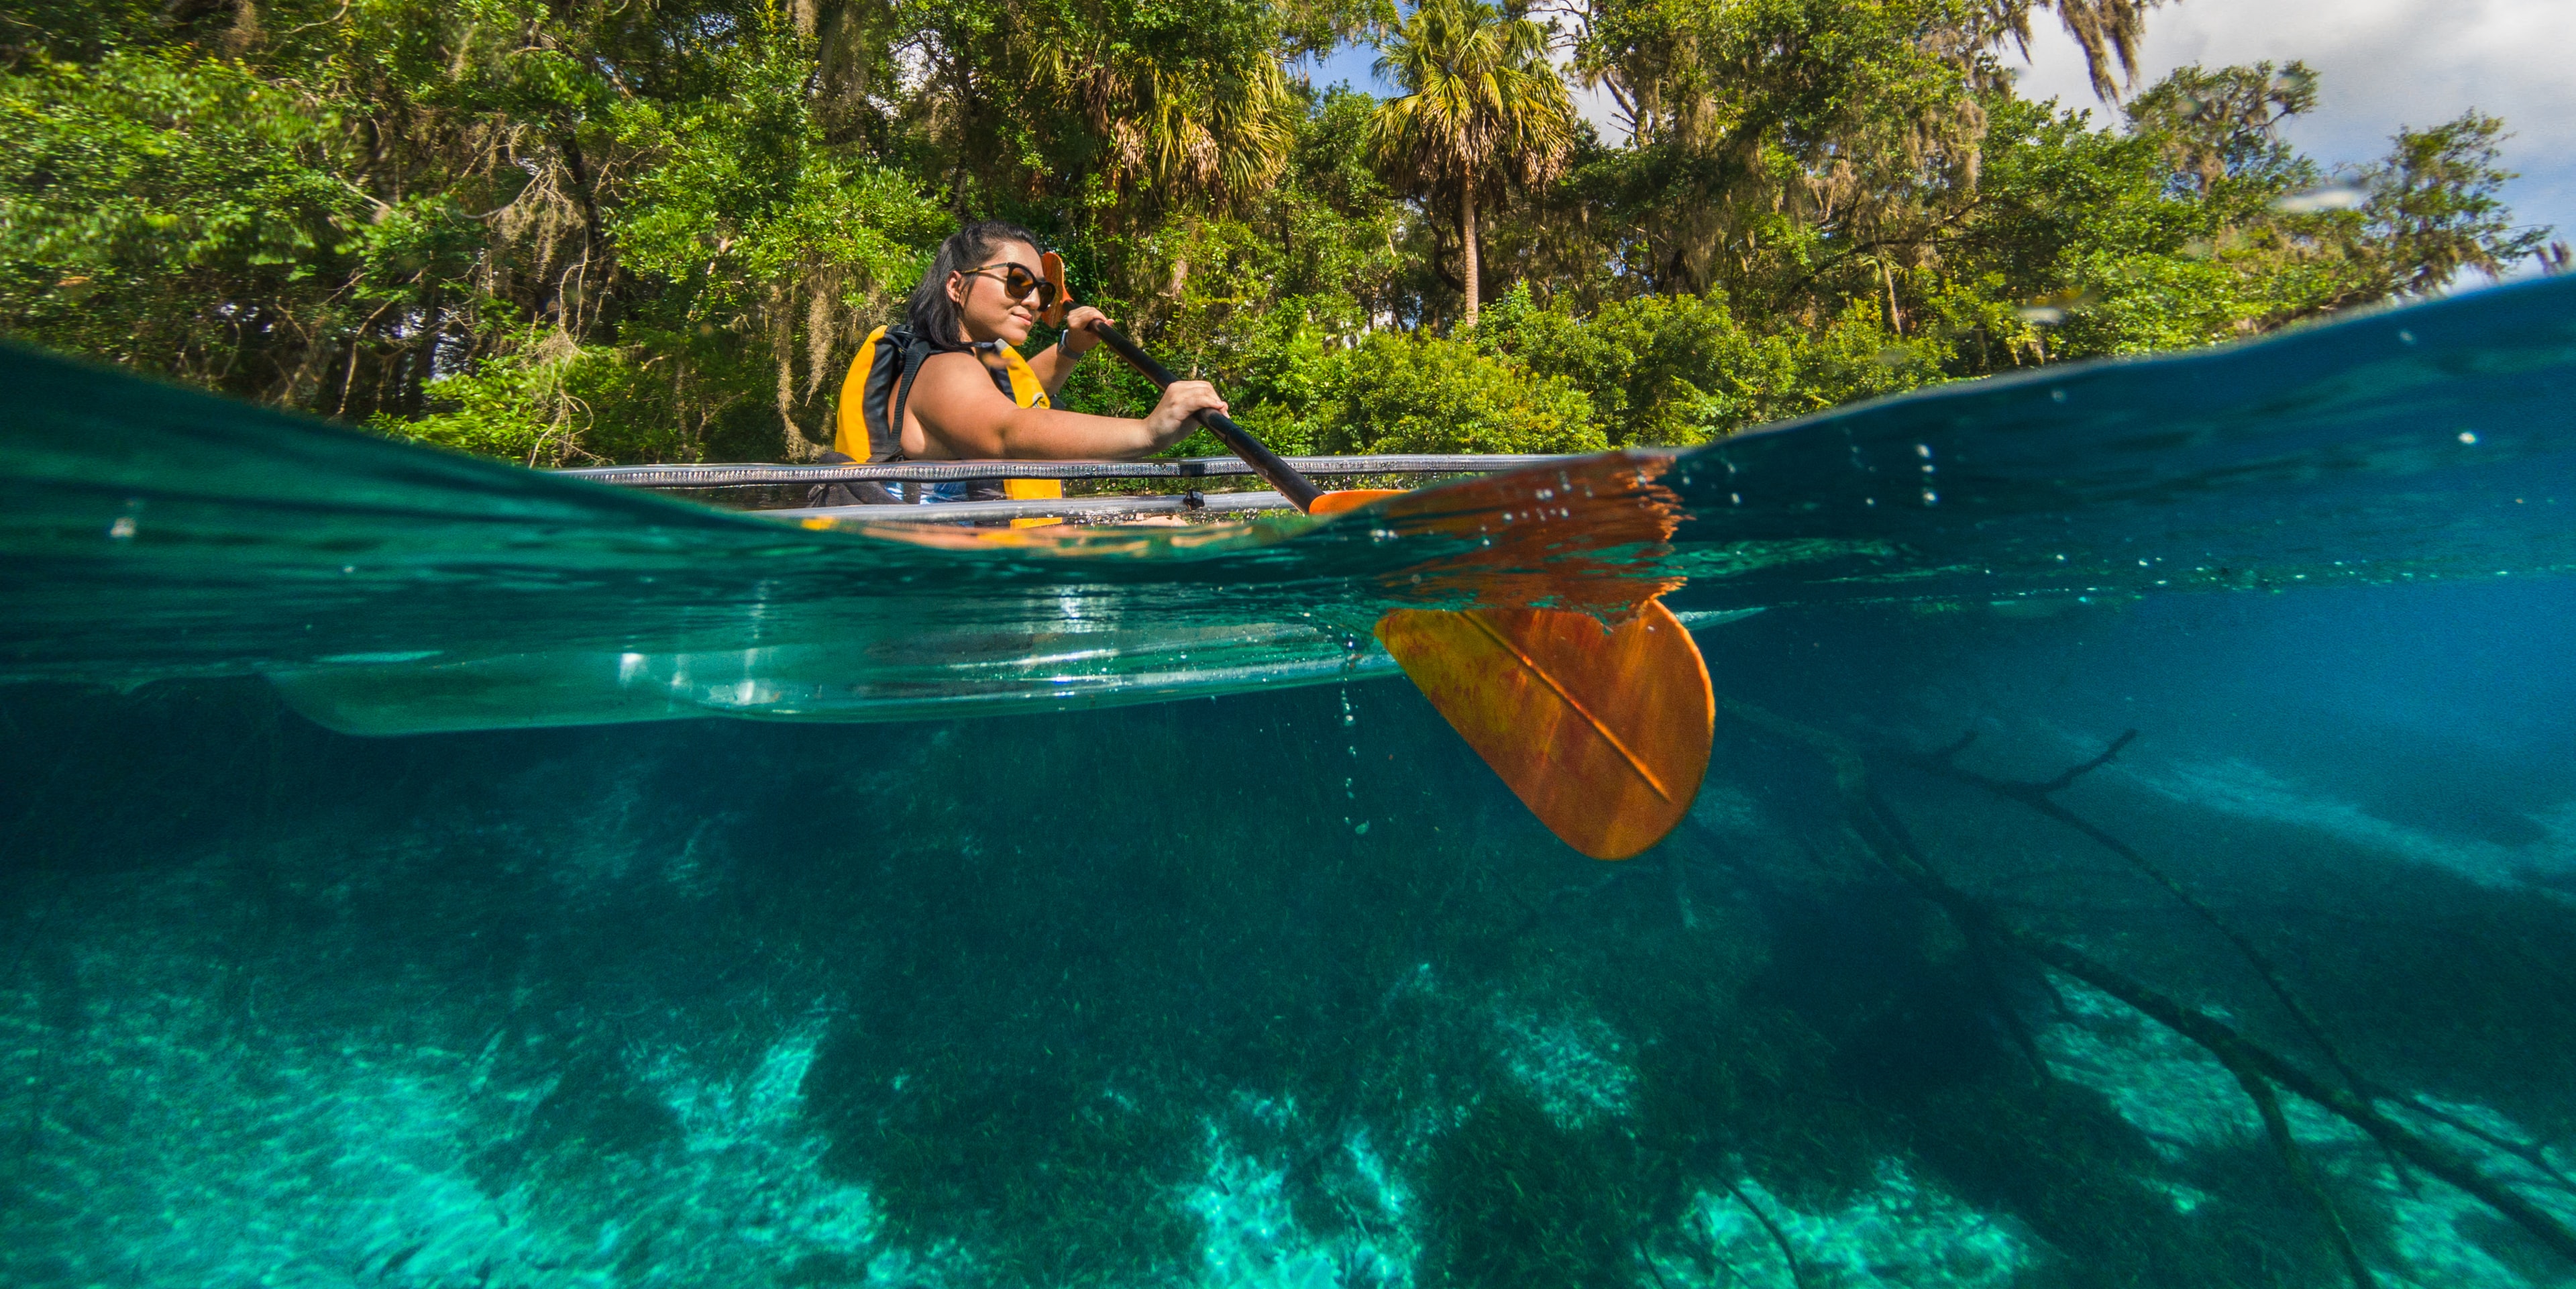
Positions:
(869, 424)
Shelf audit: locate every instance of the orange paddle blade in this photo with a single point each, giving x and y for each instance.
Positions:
(1334, 503)
(1603, 733)
(1585, 534)
(1051, 267)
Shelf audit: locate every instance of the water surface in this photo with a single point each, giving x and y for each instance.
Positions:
(1205, 954)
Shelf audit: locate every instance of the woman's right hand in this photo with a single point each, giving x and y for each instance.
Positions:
(1182, 400)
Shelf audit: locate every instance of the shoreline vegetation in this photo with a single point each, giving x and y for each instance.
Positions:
(583, 233)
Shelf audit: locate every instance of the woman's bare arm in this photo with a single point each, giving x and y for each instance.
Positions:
(959, 415)
(1052, 367)
(1059, 360)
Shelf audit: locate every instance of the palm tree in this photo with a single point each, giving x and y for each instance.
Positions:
(1481, 102)
(1181, 129)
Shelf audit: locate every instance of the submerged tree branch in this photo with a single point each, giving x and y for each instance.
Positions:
(1884, 835)
(2277, 1126)
(2040, 796)
(1780, 1238)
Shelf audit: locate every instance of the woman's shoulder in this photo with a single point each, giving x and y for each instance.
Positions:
(953, 371)
(961, 365)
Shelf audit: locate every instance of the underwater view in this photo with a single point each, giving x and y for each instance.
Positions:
(2137, 848)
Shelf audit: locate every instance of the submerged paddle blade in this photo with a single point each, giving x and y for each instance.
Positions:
(1603, 733)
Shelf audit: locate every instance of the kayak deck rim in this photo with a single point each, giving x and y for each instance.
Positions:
(753, 474)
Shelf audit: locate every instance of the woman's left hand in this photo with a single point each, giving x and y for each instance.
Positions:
(1078, 335)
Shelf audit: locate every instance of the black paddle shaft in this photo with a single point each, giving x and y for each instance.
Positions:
(1264, 462)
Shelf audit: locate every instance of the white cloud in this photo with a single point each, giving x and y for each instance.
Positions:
(2380, 64)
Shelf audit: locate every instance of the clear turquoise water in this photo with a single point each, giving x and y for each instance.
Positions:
(1205, 954)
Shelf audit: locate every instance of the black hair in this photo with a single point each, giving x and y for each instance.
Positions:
(933, 315)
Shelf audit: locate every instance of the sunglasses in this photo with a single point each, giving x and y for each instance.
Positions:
(1018, 282)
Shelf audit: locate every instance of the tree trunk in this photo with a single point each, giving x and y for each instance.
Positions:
(1467, 236)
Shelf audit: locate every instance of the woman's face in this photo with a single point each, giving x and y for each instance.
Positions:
(988, 312)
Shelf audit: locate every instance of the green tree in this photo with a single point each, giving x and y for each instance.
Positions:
(1424, 393)
(1799, 153)
(560, 230)
(1481, 102)
(183, 215)
(2087, 241)
(1682, 369)
(2435, 211)
(2225, 124)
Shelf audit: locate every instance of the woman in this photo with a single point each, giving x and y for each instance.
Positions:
(951, 385)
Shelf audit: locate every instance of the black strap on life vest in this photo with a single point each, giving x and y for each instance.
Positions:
(885, 439)
(890, 387)
(890, 375)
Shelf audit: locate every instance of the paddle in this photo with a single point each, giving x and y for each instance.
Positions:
(1603, 731)
(1264, 462)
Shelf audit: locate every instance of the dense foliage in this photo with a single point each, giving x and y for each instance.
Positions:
(575, 230)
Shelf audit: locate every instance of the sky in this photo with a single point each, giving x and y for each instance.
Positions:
(2380, 64)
